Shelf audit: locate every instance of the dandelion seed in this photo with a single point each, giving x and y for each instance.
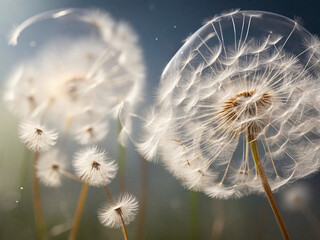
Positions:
(125, 207)
(94, 167)
(49, 168)
(36, 136)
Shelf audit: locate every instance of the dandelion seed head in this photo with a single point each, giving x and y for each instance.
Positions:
(97, 65)
(36, 136)
(49, 168)
(243, 73)
(91, 133)
(94, 167)
(126, 206)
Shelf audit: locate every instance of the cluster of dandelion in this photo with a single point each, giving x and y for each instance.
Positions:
(245, 80)
(76, 85)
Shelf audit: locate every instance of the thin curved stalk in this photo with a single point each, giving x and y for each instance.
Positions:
(266, 186)
(70, 175)
(77, 217)
(37, 207)
(121, 162)
(144, 197)
(193, 215)
(124, 229)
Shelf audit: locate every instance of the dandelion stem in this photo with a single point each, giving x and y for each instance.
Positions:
(265, 184)
(70, 175)
(124, 230)
(109, 195)
(144, 197)
(122, 162)
(193, 215)
(77, 217)
(37, 207)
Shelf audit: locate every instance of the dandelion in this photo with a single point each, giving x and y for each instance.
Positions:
(36, 136)
(94, 167)
(49, 168)
(91, 133)
(124, 209)
(73, 81)
(38, 139)
(119, 213)
(243, 82)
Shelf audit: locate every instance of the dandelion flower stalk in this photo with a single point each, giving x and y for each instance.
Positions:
(124, 229)
(37, 207)
(118, 213)
(143, 197)
(266, 186)
(194, 197)
(122, 162)
(77, 217)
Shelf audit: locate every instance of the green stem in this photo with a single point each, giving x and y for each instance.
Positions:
(77, 217)
(193, 215)
(144, 197)
(121, 162)
(37, 207)
(265, 184)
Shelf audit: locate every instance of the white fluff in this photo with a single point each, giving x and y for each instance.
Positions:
(94, 167)
(126, 205)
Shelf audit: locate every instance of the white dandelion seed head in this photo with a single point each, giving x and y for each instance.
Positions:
(36, 136)
(126, 205)
(94, 167)
(49, 167)
(244, 73)
(91, 133)
(87, 61)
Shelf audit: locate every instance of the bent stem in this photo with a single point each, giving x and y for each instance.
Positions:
(124, 229)
(144, 197)
(193, 215)
(266, 186)
(77, 217)
(37, 207)
(122, 162)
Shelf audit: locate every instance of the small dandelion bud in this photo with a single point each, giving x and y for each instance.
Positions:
(94, 167)
(37, 137)
(125, 207)
(49, 168)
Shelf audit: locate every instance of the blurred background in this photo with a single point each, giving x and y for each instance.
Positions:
(162, 26)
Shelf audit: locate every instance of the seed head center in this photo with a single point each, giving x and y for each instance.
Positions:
(245, 110)
(95, 165)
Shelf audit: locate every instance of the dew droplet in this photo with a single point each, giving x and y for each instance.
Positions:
(156, 39)
(17, 201)
(21, 188)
